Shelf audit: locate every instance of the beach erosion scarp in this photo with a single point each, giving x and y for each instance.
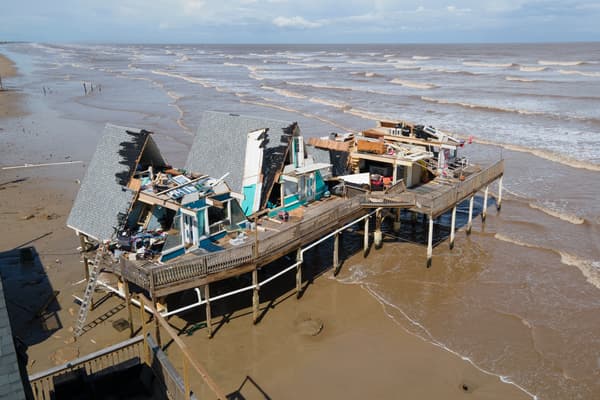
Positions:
(360, 353)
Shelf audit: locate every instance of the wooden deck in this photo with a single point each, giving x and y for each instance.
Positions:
(306, 225)
(274, 241)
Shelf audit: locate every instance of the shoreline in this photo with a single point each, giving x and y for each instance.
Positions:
(440, 372)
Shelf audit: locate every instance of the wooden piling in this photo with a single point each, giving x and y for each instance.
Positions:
(255, 296)
(430, 242)
(299, 260)
(377, 235)
(499, 200)
(208, 318)
(336, 249)
(397, 221)
(452, 227)
(366, 238)
(485, 199)
(470, 221)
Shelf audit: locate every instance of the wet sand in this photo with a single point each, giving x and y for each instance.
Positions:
(360, 353)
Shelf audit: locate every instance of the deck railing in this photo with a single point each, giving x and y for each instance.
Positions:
(461, 191)
(214, 262)
(42, 383)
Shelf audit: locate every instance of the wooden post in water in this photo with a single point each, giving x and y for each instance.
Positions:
(299, 260)
(470, 221)
(499, 200)
(208, 319)
(430, 241)
(336, 250)
(255, 296)
(485, 199)
(452, 227)
(366, 238)
(397, 221)
(377, 235)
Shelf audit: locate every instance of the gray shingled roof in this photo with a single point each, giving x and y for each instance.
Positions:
(220, 145)
(103, 196)
(11, 385)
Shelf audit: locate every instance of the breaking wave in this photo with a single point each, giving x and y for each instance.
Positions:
(418, 329)
(319, 86)
(367, 74)
(518, 79)
(482, 106)
(561, 63)
(313, 66)
(532, 69)
(541, 153)
(414, 85)
(574, 219)
(582, 73)
(421, 57)
(489, 65)
(292, 110)
(589, 269)
(285, 93)
(376, 63)
(331, 103)
(449, 71)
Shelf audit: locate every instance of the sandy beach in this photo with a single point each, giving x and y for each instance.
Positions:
(360, 353)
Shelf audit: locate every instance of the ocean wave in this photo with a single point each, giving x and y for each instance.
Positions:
(313, 66)
(295, 111)
(285, 93)
(524, 68)
(376, 63)
(582, 73)
(365, 114)
(341, 88)
(421, 57)
(518, 79)
(561, 63)
(423, 333)
(481, 106)
(589, 269)
(560, 214)
(367, 74)
(489, 65)
(449, 71)
(507, 239)
(320, 86)
(414, 85)
(331, 103)
(545, 154)
(407, 67)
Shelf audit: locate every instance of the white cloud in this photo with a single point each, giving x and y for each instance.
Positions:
(295, 22)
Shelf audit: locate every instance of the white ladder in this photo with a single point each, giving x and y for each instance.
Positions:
(89, 291)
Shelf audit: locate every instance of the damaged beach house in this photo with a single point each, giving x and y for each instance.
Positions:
(252, 191)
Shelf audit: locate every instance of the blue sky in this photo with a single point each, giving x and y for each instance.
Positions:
(308, 21)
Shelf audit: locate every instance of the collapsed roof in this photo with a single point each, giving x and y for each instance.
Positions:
(104, 197)
(220, 147)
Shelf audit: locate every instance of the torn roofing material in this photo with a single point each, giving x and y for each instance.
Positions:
(103, 197)
(220, 147)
